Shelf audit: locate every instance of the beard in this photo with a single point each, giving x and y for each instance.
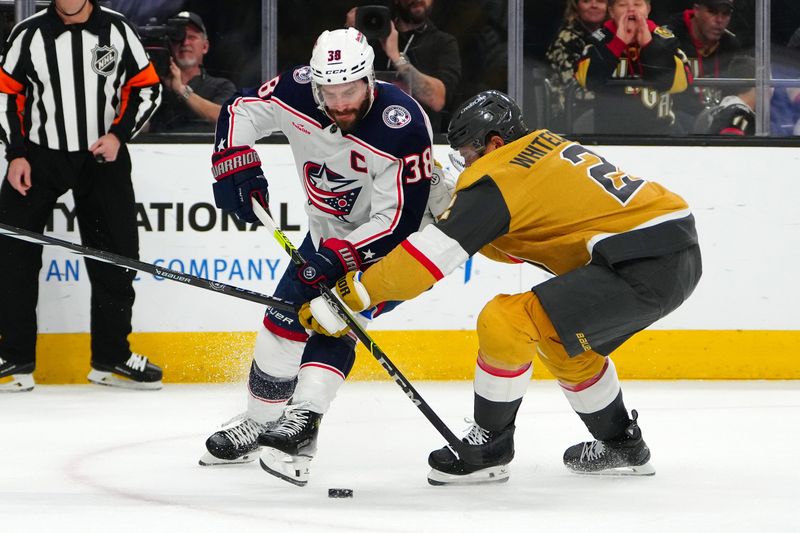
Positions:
(348, 120)
(186, 62)
(406, 14)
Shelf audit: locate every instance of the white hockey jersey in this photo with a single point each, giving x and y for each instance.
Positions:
(369, 186)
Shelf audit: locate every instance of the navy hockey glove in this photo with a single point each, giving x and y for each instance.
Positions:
(332, 261)
(239, 178)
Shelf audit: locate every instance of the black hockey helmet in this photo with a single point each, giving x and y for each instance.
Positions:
(486, 112)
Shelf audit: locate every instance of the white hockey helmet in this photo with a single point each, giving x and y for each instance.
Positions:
(341, 56)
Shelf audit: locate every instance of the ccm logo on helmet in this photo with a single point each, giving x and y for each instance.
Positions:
(336, 71)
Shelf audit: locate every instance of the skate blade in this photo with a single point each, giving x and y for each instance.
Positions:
(623, 471)
(210, 460)
(493, 474)
(109, 379)
(294, 469)
(17, 383)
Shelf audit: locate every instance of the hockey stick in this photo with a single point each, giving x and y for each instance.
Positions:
(360, 333)
(126, 262)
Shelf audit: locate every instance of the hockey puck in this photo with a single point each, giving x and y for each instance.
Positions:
(340, 493)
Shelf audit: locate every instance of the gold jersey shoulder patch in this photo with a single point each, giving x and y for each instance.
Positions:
(664, 32)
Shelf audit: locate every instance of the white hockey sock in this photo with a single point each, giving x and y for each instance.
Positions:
(499, 385)
(279, 358)
(595, 393)
(317, 385)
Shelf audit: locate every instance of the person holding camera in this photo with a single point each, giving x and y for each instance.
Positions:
(75, 86)
(194, 98)
(422, 58)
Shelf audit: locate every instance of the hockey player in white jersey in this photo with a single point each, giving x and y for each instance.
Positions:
(364, 158)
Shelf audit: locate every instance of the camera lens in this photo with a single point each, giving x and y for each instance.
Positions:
(372, 23)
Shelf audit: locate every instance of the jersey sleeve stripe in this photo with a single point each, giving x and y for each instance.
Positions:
(8, 84)
(436, 251)
(424, 261)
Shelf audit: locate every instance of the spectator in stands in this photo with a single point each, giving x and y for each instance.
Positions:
(735, 114)
(794, 40)
(785, 102)
(194, 98)
(709, 46)
(581, 19)
(629, 46)
(426, 59)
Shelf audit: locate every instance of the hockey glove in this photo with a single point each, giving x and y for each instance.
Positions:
(319, 316)
(239, 178)
(334, 258)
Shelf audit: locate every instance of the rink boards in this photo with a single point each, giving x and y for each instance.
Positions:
(739, 324)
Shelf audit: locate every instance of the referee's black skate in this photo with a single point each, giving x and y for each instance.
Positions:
(134, 373)
(484, 461)
(290, 444)
(14, 377)
(625, 456)
(235, 443)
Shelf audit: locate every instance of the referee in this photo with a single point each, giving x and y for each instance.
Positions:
(75, 86)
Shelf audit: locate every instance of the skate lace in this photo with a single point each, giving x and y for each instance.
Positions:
(244, 432)
(592, 450)
(476, 434)
(137, 362)
(293, 420)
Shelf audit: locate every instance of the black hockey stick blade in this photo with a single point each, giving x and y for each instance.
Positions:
(149, 268)
(361, 334)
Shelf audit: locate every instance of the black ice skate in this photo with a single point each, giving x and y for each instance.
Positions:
(624, 456)
(135, 373)
(290, 444)
(14, 377)
(484, 461)
(235, 443)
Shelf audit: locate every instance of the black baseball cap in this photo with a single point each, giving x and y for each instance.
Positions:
(191, 18)
(715, 3)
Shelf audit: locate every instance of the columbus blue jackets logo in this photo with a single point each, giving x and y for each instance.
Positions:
(104, 60)
(396, 116)
(302, 75)
(327, 191)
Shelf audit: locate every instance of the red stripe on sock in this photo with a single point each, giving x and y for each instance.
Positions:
(588, 383)
(500, 372)
(325, 367)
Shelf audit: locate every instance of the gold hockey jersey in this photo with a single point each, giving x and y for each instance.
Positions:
(544, 200)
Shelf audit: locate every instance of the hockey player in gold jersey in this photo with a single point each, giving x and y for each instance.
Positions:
(623, 251)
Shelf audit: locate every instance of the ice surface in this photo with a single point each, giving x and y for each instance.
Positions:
(87, 458)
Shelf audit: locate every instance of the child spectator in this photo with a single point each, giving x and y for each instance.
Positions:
(629, 46)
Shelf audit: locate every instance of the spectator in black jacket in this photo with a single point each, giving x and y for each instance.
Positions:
(426, 59)
(629, 46)
(709, 46)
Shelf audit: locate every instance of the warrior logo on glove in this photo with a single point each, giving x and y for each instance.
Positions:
(238, 175)
(235, 163)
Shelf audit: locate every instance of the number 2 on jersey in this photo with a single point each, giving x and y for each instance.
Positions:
(609, 177)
